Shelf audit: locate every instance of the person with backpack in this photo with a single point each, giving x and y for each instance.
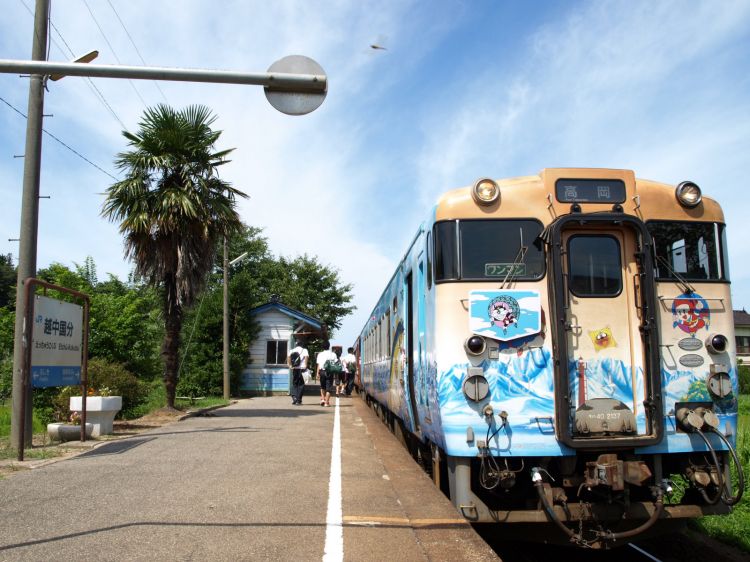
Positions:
(350, 366)
(325, 361)
(297, 361)
(339, 371)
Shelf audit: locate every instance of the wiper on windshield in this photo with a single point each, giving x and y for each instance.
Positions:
(684, 285)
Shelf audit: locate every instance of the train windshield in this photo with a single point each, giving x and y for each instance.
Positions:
(691, 250)
(488, 249)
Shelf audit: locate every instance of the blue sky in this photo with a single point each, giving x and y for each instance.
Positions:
(463, 90)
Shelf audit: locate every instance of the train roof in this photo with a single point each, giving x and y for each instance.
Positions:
(534, 197)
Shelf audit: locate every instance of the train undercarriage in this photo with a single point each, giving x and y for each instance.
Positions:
(596, 499)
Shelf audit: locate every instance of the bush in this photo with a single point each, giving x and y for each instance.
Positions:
(119, 381)
(155, 399)
(6, 378)
(744, 376)
(45, 405)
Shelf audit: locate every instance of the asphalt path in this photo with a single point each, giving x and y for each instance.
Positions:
(249, 482)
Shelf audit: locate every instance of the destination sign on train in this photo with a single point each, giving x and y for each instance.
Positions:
(590, 191)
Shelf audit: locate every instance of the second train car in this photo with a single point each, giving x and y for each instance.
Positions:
(558, 348)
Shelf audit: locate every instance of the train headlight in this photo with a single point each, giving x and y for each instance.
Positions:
(486, 191)
(475, 345)
(716, 343)
(688, 194)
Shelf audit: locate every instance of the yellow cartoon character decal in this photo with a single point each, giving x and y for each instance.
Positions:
(602, 338)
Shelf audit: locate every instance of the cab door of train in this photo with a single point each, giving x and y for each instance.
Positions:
(605, 352)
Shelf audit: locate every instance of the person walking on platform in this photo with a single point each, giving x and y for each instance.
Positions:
(339, 374)
(297, 361)
(326, 381)
(350, 368)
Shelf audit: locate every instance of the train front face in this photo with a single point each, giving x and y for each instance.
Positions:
(583, 348)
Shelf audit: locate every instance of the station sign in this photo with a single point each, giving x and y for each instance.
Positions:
(56, 343)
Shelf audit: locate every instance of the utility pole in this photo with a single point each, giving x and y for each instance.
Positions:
(226, 319)
(29, 222)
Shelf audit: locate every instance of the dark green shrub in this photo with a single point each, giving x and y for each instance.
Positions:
(45, 407)
(190, 387)
(744, 376)
(103, 374)
(6, 378)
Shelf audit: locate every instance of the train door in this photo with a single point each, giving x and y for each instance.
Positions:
(604, 348)
(412, 346)
(421, 368)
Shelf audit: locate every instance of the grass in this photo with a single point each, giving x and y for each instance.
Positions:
(157, 398)
(39, 429)
(5, 418)
(207, 402)
(733, 528)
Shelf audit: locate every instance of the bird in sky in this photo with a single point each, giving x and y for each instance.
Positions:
(378, 47)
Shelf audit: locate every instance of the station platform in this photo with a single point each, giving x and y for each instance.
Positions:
(391, 508)
(261, 479)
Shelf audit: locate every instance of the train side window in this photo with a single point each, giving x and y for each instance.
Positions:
(446, 251)
(723, 247)
(594, 266)
(428, 253)
(388, 333)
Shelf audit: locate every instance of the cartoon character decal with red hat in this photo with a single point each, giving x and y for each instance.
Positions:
(690, 313)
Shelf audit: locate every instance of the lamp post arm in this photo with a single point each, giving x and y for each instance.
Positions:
(275, 80)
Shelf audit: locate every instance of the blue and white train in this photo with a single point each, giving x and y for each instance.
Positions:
(559, 349)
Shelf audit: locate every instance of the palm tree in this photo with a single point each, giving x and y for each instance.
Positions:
(172, 209)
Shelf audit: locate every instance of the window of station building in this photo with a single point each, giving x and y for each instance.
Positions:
(594, 266)
(694, 251)
(276, 352)
(743, 344)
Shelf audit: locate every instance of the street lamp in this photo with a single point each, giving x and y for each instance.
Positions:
(225, 337)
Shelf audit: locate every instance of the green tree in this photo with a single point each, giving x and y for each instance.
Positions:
(124, 320)
(7, 281)
(173, 208)
(126, 326)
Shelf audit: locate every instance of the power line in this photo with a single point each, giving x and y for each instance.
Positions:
(81, 156)
(96, 91)
(132, 42)
(137, 93)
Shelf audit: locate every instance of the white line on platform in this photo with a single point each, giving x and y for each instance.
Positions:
(334, 548)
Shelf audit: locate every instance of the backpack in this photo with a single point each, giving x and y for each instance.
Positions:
(352, 367)
(333, 367)
(295, 359)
